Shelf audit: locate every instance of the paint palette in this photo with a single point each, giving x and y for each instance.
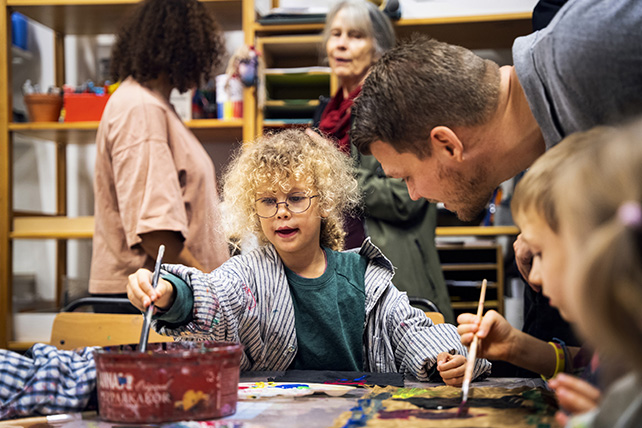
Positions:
(252, 390)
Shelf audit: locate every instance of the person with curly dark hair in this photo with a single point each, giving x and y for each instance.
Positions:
(154, 183)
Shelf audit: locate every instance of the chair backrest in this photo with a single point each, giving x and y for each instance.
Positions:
(423, 303)
(436, 317)
(430, 309)
(73, 330)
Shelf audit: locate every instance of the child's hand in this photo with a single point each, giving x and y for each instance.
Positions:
(495, 332)
(451, 368)
(574, 396)
(141, 293)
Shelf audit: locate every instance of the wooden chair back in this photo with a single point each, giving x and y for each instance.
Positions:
(73, 330)
(436, 317)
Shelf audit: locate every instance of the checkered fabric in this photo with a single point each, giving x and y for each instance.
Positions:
(45, 381)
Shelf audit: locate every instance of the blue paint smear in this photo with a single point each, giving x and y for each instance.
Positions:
(365, 409)
(293, 386)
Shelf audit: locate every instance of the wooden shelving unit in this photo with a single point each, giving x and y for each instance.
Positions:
(297, 45)
(470, 262)
(69, 17)
(290, 98)
(465, 267)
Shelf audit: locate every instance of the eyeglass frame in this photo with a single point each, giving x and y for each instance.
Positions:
(287, 206)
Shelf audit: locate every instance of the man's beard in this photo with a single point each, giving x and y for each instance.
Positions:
(466, 196)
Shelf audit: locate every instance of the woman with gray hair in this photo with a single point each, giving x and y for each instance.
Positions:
(356, 35)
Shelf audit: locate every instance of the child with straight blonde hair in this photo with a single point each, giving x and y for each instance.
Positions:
(599, 194)
(536, 212)
(297, 301)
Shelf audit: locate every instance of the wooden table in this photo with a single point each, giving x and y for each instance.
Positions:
(312, 411)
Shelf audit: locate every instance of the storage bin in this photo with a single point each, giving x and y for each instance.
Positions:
(84, 107)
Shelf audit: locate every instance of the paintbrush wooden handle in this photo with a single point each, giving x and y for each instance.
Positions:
(470, 362)
(482, 298)
(144, 334)
(472, 352)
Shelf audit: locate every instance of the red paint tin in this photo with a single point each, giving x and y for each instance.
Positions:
(170, 382)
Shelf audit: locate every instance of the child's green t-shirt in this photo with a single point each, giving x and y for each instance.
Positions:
(329, 313)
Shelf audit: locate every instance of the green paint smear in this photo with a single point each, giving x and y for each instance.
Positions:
(410, 392)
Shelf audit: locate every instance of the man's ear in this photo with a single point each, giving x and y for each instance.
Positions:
(445, 142)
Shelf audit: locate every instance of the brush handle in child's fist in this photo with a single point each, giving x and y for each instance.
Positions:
(494, 329)
(141, 293)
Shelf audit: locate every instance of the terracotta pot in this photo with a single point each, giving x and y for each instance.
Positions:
(43, 107)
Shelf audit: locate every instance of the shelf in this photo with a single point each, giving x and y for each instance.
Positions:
(86, 17)
(72, 133)
(448, 267)
(217, 130)
(86, 225)
(476, 230)
(489, 304)
(19, 55)
(52, 228)
(287, 122)
(85, 132)
(473, 32)
(285, 103)
(290, 50)
(466, 246)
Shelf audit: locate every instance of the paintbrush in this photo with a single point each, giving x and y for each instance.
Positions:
(472, 355)
(144, 334)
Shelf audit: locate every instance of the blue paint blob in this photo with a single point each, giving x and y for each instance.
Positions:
(293, 386)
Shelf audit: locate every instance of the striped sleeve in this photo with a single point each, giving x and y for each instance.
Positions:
(416, 341)
(245, 300)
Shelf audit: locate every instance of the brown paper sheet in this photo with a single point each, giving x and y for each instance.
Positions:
(391, 407)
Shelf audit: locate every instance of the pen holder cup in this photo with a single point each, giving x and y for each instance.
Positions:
(172, 381)
(43, 107)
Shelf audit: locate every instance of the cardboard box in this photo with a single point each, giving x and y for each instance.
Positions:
(84, 107)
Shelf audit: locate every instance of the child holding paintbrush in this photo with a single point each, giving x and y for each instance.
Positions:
(297, 302)
(536, 213)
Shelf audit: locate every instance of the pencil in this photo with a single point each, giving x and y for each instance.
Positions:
(472, 353)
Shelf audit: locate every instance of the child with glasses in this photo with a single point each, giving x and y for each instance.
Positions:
(297, 301)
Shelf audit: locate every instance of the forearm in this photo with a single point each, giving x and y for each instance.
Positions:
(176, 251)
(532, 354)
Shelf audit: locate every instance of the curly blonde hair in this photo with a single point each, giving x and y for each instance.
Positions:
(270, 163)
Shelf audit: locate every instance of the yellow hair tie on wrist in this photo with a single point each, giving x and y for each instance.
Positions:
(560, 360)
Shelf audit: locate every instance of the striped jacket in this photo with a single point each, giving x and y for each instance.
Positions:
(247, 300)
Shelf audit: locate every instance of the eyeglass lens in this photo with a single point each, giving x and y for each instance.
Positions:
(296, 203)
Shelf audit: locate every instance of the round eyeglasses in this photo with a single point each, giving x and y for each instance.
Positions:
(295, 203)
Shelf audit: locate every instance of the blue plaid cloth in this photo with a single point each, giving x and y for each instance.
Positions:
(45, 381)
